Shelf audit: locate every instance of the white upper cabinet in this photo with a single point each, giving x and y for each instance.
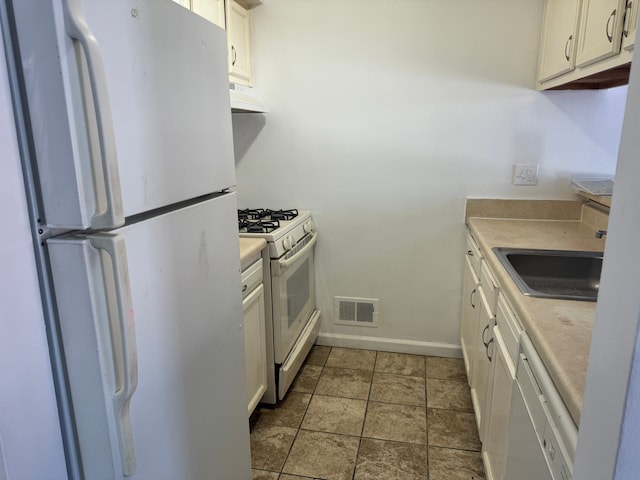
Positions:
(558, 40)
(600, 33)
(239, 42)
(212, 10)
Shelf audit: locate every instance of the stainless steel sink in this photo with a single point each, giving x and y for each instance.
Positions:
(565, 274)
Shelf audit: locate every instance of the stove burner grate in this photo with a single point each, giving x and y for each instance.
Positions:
(282, 214)
(258, 226)
(251, 214)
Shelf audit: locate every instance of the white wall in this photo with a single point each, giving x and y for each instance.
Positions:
(385, 115)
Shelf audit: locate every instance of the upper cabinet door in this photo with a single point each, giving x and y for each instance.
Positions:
(630, 25)
(239, 38)
(600, 33)
(212, 10)
(558, 42)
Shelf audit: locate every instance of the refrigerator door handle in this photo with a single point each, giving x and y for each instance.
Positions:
(124, 351)
(76, 26)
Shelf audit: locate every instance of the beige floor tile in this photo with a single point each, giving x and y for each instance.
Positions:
(307, 379)
(342, 393)
(452, 429)
(400, 364)
(401, 389)
(335, 415)
(318, 355)
(270, 446)
(322, 455)
(449, 368)
(288, 412)
(352, 358)
(344, 382)
(448, 394)
(384, 460)
(264, 475)
(402, 423)
(449, 464)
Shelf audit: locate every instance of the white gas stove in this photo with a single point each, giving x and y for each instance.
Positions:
(292, 320)
(282, 229)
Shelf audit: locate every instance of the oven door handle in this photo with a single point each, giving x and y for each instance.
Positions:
(284, 264)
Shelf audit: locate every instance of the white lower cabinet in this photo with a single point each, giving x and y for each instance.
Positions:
(255, 346)
(490, 333)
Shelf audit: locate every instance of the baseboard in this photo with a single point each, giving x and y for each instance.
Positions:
(396, 345)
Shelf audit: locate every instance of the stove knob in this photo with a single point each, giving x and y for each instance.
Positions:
(287, 243)
(308, 226)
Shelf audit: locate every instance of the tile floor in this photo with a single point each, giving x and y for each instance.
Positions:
(367, 415)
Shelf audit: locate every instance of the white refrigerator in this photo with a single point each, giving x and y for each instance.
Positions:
(124, 129)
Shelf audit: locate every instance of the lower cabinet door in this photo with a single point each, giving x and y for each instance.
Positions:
(494, 449)
(255, 346)
(469, 321)
(482, 363)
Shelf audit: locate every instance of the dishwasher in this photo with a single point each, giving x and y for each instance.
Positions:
(542, 434)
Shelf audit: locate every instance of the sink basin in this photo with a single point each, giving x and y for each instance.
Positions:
(565, 274)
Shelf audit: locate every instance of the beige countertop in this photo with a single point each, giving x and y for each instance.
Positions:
(559, 329)
(250, 249)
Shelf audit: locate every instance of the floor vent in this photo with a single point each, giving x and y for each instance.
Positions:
(361, 312)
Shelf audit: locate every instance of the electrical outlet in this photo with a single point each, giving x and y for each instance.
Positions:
(525, 174)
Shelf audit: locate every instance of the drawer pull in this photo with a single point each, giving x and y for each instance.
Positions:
(484, 342)
(612, 16)
(627, 19)
(473, 305)
(244, 287)
(489, 356)
(566, 48)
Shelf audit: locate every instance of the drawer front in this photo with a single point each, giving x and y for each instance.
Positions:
(509, 326)
(489, 286)
(473, 254)
(251, 277)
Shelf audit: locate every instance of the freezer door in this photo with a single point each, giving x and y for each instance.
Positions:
(151, 319)
(129, 106)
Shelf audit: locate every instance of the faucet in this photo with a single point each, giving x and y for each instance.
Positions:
(600, 233)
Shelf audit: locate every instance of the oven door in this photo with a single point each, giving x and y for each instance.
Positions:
(293, 295)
